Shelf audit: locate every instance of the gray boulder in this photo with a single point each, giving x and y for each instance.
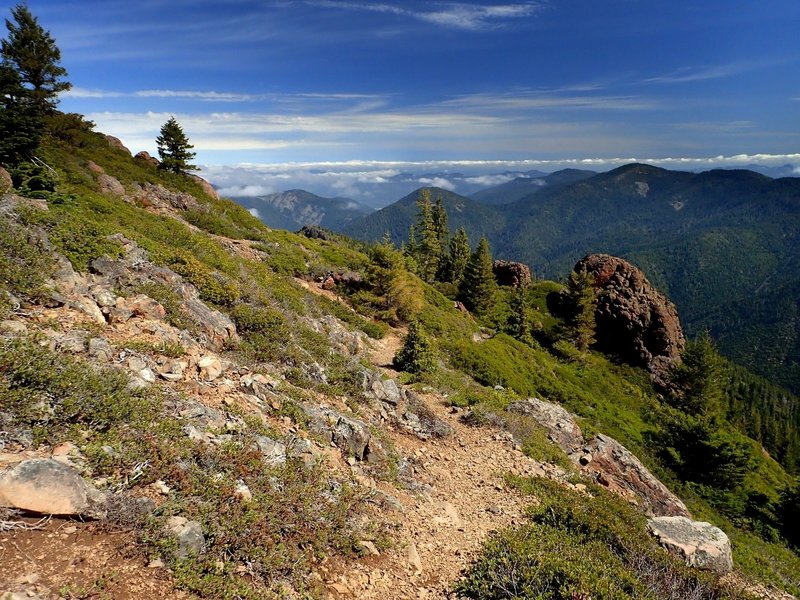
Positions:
(188, 534)
(559, 423)
(49, 487)
(699, 544)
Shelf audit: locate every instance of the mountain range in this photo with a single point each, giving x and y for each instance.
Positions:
(294, 208)
(721, 244)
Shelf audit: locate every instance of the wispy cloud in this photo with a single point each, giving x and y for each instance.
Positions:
(705, 73)
(457, 15)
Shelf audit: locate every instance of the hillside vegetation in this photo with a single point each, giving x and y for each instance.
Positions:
(309, 349)
(720, 244)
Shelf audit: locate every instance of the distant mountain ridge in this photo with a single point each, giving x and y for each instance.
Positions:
(294, 208)
(520, 187)
(718, 243)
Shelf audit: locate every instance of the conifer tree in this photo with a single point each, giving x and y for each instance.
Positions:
(699, 379)
(20, 122)
(520, 321)
(424, 239)
(478, 286)
(416, 354)
(582, 301)
(457, 257)
(174, 148)
(33, 53)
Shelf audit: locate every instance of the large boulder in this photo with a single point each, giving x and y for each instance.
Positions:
(615, 467)
(6, 185)
(49, 487)
(633, 319)
(603, 459)
(699, 544)
(561, 426)
(510, 273)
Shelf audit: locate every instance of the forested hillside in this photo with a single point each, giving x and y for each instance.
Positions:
(719, 243)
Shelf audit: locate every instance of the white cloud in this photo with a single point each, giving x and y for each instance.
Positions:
(457, 15)
(490, 180)
(245, 191)
(439, 182)
(254, 212)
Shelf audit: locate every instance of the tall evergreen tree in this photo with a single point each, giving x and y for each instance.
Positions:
(520, 321)
(174, 148)
(20, 122)
(478, 286)
(424, 238)
(582, 301)
(33, 53)
(457, 257)
(699, 379)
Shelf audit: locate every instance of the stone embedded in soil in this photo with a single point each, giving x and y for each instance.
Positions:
(699, 544)
(46, 486)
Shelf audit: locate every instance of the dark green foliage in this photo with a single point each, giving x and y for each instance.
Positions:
(417, 353)
(520, 323)
(457, 258)
(579, 546)
(33, 53)
(24, 264)
(174, 148)
(266, 331)
(20, 121)
(33, 180)
(581, 300)
(425, 243)
(698, 379)
(478, 288)
(53, 392)
(789, 513)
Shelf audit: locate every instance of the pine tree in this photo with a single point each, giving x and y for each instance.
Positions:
(20, 122)
(33, 53)
(699, 379)
(423, 243)
(174, 148)
(520, 321)
(478, 286)
(416, 354)
(582, 301)
(458, 257)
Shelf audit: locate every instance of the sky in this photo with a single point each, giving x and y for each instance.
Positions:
(267, 90)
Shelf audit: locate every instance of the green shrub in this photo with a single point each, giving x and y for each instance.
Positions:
(24, 263)
(580, 546)
(417, 353)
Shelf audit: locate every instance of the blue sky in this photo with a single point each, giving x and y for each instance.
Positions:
(549, 82)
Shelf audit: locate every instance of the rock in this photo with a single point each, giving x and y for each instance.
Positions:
(73, 341)
(88, 307)
(100, 349)
(274, 451)
(615, 467)
(116, 143)
(207, 187)
(698, 543)
(633, 319)
(315, 232)
(189, 535)
(210, 367)
(94, 167)
(154, 195)
(6, 185)
(414, 559)
(46, 486)
(110, 185)
(243, 492)
(560, 424)
(349, 434)
(145, 157)
(143, 306)
(510, 273)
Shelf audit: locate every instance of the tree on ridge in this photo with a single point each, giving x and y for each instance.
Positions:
(174, 148)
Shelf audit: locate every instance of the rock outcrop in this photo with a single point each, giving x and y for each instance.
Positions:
(6, 185)
(115, 142)
(634, 320)
(699, 544)
(603, 459)
(146, 158)
(50, 487)
(510, 273)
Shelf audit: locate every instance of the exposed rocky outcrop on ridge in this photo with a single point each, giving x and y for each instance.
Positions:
(603, 459)
(633, 319)
(510, 273)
